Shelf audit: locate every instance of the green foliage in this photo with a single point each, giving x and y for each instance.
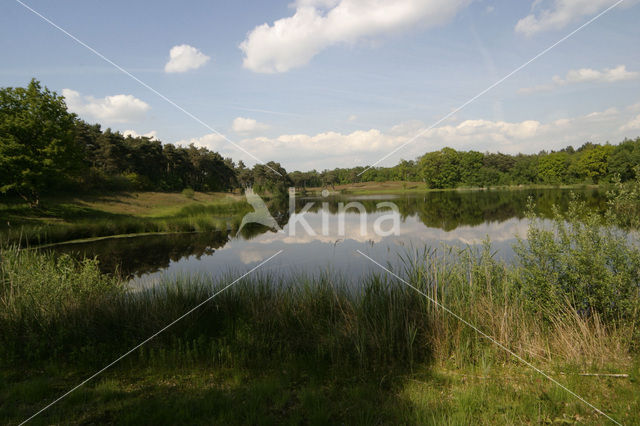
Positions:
(624, 202)
(624, 158)
(471, 164)
(38, 151)
(592, 162)
(449, 168)
(38, 291)
(552, 168)
(580, 258)
(441, 169)
(45, 148)
(119, 163)
(270, 177)
(36, 284)
(138, 182)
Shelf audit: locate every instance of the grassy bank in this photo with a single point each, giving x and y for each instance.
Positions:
(394, 187)
(201, 393)
(65, 219)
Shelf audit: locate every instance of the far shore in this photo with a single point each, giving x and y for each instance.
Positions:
(418, 187)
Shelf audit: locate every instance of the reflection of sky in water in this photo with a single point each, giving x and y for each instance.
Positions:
(310, 254)
(434, 219)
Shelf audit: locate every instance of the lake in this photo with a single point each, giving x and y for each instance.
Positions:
(437, 219)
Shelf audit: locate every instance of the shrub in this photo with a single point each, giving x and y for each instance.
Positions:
(138, 182)
(624, 202)
(189, 193)
(581, 258)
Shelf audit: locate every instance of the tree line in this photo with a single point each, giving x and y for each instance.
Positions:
(448, 168)
(44, 149)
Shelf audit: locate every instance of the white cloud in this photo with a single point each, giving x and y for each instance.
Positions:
(184, 58)
(110, 109)
(411, 227)
(334, 149)
(560, 14)
(603, 114)
(248, 125)
(252, 255)
(317, 24)
(618, 73)
(153, 135)
(633, 124)
(585, 75)
(352, 117)
(212, 141)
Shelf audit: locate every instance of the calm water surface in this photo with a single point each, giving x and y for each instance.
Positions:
(435, 219)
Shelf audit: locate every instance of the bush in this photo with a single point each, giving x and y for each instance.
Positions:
(189, 193)
(624, 202)
(138, 182)
(580, 257)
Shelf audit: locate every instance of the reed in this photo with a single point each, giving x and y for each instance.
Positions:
(317, 348)
(52, 307)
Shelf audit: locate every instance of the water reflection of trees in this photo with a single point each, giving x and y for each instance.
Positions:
(147, 254)
(141, 255)
(279, 208)
(448, 210)
(444, 210)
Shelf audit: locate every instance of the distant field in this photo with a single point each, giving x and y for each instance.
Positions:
(376, 186)
(400, 186)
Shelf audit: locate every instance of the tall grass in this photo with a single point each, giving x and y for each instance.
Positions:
(261, 319)
(489, 294)
(571, 295)
(52, 309)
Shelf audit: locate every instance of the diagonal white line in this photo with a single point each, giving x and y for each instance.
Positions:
(150, 338)
(101, 56)
(473, 99)
(483, 334)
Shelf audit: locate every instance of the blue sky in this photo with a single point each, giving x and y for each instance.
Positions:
(327, 83)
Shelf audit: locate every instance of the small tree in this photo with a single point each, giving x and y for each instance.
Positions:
(38, 150)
